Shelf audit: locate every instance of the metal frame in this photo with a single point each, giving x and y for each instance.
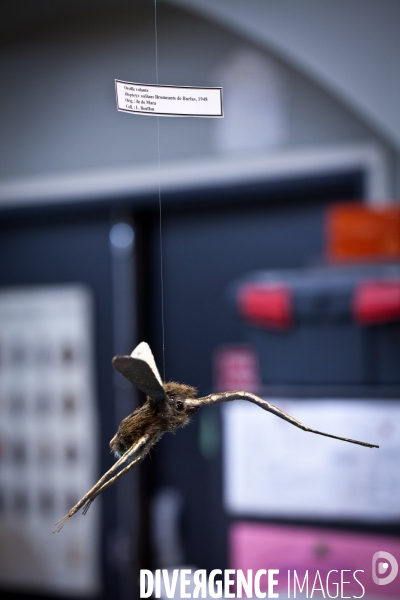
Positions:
(140, 183)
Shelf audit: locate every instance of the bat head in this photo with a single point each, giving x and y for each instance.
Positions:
(176, 407)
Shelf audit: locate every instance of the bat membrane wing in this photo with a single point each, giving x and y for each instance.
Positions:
(141, 370)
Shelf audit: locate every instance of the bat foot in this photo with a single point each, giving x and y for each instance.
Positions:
(60, 524)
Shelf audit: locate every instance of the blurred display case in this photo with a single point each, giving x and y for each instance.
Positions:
(326, 325)
(324, 346)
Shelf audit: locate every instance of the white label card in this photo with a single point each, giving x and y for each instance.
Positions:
(168, 100)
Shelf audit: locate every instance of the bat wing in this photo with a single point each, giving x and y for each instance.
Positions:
(229, 396)
(141, 370)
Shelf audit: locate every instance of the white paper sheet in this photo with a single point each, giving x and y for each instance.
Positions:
(274, 469)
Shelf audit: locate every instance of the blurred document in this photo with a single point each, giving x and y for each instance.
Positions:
(272, 468)
(48, 440)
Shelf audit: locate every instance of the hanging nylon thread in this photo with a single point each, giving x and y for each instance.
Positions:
(159, 198)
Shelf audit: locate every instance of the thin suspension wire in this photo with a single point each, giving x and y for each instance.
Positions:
(159, 199)
(156, 36)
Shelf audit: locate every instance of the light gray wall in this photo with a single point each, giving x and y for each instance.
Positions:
(351, 48)
(58, 111)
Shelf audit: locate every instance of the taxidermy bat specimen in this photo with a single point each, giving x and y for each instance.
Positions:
(167, 407)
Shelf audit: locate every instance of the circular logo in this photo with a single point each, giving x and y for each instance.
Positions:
(380, 567)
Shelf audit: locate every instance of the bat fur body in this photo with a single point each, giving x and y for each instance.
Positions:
(155, 418)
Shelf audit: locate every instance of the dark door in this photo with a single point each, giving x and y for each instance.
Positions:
(61, 248)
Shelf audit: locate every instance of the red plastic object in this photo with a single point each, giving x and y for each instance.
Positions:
(266, 305)
(376, 302)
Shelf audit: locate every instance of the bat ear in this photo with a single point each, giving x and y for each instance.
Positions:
(141, 370)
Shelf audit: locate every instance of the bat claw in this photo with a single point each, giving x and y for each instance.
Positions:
(87, 506)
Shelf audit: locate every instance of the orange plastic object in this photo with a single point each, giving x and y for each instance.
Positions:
(358, 233)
